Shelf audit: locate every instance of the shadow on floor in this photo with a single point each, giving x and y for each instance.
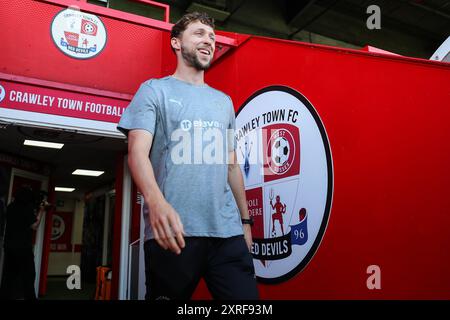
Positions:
(57, 290)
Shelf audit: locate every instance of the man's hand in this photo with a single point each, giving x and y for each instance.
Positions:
(44, 205)
(248, 236)
(40, 213)
(166, 226)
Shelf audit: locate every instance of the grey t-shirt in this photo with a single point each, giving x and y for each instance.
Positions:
(192, 135)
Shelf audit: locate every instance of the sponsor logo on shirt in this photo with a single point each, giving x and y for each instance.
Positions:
(201, 142)
(186, 124)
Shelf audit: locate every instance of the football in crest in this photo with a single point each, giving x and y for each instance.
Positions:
(280, 151)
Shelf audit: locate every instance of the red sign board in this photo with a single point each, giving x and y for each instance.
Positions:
(25, 97)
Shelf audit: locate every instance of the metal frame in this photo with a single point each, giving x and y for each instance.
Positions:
(125, 232)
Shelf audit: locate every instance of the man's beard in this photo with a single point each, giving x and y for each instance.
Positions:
(192, 59)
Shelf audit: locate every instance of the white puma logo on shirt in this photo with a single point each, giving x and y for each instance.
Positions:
(176, 101)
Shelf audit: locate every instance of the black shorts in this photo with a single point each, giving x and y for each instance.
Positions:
(225, 264)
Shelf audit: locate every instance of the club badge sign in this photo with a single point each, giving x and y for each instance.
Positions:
(61, 237)
(77, 34)
(285, 158)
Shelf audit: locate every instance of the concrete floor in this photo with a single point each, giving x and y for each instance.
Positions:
(57, 290)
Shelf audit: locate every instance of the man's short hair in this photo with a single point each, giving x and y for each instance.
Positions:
(183, 23)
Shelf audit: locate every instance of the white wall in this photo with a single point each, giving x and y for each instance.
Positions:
(59, 261)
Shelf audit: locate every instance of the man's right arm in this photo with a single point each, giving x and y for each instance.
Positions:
(165, 221)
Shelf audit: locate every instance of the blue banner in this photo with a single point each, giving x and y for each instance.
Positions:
(78, 49)
(299, 232)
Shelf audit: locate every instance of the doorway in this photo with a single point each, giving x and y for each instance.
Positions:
(82, 219)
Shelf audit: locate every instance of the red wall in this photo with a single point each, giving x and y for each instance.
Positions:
(386, 120)
(131, 54)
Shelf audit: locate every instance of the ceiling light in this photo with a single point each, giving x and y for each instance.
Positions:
(43, 144)
(64, 189)
(91, 173)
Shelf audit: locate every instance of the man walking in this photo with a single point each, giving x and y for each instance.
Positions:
(181, 154)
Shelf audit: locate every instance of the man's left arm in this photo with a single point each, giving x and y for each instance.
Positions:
(236, 183)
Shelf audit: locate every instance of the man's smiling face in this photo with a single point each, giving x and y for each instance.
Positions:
(198, 44)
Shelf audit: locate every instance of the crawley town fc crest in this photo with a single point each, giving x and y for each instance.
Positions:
(77, 34)
(286, 162)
